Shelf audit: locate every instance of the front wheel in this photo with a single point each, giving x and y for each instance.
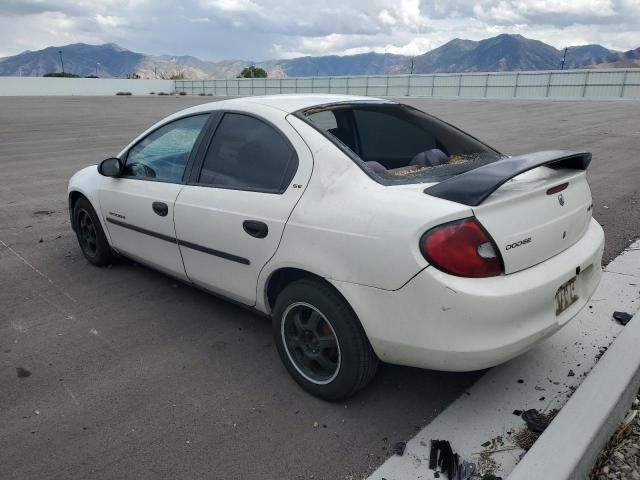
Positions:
(91, 237)
(321, 342)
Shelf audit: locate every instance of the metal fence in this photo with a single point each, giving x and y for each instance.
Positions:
(610, 83)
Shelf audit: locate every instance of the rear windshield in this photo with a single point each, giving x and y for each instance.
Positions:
(397, 144)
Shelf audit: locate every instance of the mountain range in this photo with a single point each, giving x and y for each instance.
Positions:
(501, 53)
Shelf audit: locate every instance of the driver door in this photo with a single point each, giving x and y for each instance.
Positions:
(138, 206)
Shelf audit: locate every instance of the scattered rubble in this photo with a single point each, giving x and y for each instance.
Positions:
(620, 458)
(399, 448)
(536, 423)
(622, 317)
(443, 457)
(23, 372)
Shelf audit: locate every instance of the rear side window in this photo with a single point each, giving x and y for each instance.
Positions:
(325, 119)
(248, 154)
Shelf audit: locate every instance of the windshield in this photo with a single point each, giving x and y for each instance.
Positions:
(399, 144)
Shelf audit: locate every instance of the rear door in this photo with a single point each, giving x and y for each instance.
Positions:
(230, 218)
(138, 206)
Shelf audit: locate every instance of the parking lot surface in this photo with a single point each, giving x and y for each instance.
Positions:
(123, 372)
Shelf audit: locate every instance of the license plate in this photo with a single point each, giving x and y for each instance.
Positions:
(566, 296)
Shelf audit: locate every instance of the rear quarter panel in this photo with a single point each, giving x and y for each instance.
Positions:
(347, 227)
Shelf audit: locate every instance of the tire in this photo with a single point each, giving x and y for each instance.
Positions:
(321, 342)
(91, 237)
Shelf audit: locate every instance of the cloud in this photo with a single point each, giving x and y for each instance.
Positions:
(263, 29)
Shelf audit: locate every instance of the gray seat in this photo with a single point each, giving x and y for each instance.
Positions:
(430, 158)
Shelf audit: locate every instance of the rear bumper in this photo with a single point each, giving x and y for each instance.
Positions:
(444, 322)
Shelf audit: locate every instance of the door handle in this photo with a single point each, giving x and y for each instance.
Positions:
(160, 208)
(255, 228)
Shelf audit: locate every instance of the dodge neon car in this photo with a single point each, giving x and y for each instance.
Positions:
(366, 229)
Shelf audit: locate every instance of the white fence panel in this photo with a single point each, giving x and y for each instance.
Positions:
(41, 86)
(604, 84)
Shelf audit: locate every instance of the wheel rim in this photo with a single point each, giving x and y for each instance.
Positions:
(311, 343)
(87, 233)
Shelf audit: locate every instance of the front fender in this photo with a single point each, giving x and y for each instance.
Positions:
(87, 183)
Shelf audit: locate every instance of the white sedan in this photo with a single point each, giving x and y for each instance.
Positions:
(368, 230)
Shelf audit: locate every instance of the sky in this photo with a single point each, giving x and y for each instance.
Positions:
(268, 29)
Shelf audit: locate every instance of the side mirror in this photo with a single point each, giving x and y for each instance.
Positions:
(111, 167)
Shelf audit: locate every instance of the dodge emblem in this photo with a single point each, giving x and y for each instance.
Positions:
(561, 200)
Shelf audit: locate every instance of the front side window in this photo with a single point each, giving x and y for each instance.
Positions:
(163, 154)
(248, 154)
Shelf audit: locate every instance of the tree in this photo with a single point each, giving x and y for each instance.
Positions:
(132, 76)
(253, 72)
(61, 74)
(177, 75)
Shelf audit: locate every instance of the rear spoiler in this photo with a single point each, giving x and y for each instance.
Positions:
(473, 187)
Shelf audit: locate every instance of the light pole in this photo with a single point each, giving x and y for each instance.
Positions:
(61, 61)
(412, 60)
(564, 57)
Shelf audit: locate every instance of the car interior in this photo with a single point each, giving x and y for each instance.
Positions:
(395, 140)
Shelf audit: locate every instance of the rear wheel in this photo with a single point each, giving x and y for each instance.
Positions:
(91, 237)
(321, 341)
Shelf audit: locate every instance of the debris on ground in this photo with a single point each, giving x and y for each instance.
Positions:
(620, 458)
(23, 372)
(399, 448)
(442, 459)
(622, 317)
(535, 420)
(536, 423)
(486, 465)
(571, 373)
(601, 352)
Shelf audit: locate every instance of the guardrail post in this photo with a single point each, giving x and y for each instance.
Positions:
(366, 86)
(313, 84)
(348, 85)
(515, 89)
(459, 84)
(486, 84)
(586, 82)
(549, 83)
(624, 83)
(386, 91)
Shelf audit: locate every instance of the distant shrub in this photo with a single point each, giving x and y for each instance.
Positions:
(123, 93)
(91, 76)
(61, 74)
(209, 94)
(163, 93)
(177, 75)
(182, 93)
(201, 94)
(152, 93)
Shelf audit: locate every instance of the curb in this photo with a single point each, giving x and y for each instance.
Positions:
(569, 446)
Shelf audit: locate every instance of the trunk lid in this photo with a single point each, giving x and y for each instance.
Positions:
(534, 206)
(530, 225)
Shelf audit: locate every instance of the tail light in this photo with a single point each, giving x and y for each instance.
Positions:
(462, 248)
